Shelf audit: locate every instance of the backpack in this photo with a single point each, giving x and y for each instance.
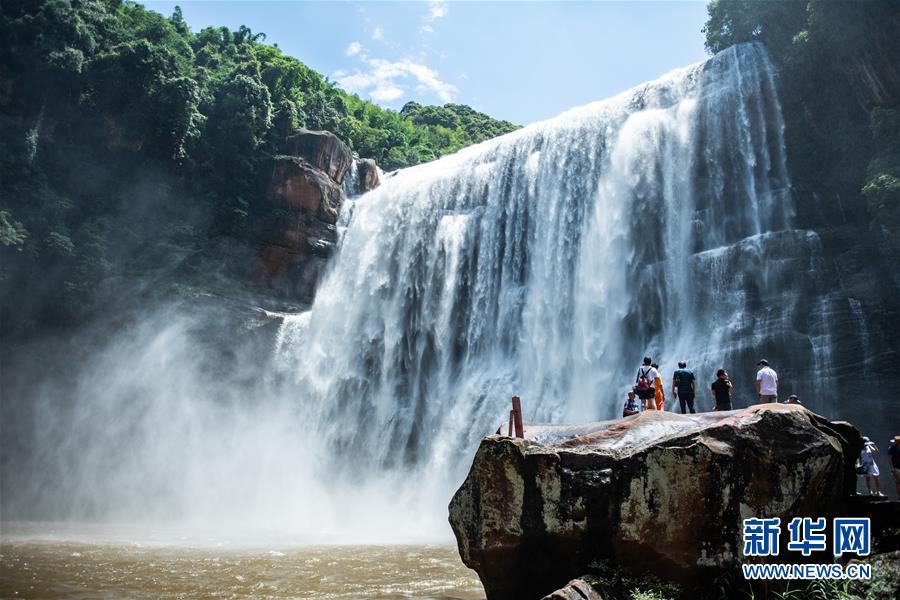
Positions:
(643, 384)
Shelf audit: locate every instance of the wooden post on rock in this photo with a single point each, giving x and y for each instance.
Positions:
(517, 417)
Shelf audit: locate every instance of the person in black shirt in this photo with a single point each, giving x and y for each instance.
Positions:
(721, 390)
(683, 386)
(894, 453)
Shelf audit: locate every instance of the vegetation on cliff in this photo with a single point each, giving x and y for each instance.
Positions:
(130, 145)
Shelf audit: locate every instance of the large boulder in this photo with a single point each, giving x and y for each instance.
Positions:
(321, 149)
(304, 193)
(298, 231)
(295, 184)
(657, 493)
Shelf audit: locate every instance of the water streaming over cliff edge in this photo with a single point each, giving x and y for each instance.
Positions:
(544, 263)
(547, 262)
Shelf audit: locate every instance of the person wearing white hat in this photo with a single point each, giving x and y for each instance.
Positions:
(868, 467)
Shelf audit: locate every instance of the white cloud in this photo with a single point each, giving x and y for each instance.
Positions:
(353, 49)
(354, 82)
(383, 80)
(386, 92)
(428, 29)
(429, 78)
(378, 33)
(438, 9)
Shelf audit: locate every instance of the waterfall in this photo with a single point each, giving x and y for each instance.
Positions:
(547, 262)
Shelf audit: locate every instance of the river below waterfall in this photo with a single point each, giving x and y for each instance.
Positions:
(50, 561)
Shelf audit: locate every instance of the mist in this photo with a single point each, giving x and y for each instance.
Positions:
(184, 417)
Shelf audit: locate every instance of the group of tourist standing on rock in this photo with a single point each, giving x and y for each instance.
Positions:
(648, 392)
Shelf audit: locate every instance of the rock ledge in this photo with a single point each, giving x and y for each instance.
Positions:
(658, 493)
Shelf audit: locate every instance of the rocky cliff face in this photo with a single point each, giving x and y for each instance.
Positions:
(833, 99)
(304, 195)
(659, 493)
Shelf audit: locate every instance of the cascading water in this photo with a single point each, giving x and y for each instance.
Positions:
(544, 263)
(547, 262)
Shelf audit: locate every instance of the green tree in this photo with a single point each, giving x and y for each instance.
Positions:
(130, 144)
(12, 233)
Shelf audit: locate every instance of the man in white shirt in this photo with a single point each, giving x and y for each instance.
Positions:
(766, 382)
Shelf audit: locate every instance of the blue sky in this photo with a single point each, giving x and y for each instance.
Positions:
(521, 61)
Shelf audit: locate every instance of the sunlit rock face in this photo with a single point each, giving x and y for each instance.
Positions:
(657, 493)
(370, 177)
(321, 149)
(296, 184)
(296, 225)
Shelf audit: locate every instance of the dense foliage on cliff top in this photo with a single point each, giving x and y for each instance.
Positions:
(129, 144)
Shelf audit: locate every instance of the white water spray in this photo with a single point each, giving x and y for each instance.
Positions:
(546, 262)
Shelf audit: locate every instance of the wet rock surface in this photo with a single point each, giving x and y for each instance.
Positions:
(363, 176)
(368, 175)
(658, 493)
(885, 581)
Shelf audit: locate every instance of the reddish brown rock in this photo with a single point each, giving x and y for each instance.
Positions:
(297, 232)
(658, 493)
(322, 150)
(294, 183)
(289, 272)
(304, 195)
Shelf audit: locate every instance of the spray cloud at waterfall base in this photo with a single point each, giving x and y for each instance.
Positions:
(544, 263)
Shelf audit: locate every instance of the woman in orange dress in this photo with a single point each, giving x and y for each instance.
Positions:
(660, 397)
